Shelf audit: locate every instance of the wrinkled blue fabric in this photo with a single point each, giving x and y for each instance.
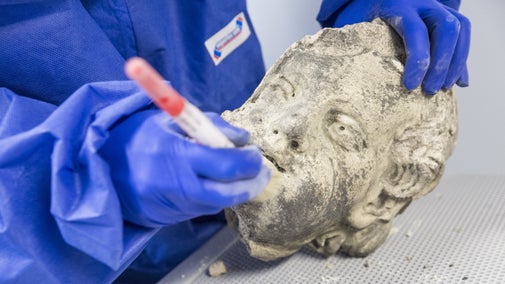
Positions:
(60, 217)
(61, 45)
(57, 48)
(436, 36)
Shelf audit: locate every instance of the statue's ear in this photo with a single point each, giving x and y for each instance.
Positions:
(413, 180)
(415, 168)
(402, 183)
(418, 155)
(398, 186)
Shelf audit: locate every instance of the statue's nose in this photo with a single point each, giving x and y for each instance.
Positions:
(287, 133)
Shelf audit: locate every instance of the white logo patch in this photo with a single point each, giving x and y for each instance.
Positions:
(225, 41)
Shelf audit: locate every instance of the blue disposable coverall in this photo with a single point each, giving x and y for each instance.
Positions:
(60, 219)
(62, 88)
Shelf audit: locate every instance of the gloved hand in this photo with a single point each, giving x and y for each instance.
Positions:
(164, 178)
(436, 37)
(454, 4)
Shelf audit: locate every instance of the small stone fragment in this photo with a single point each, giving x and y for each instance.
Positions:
(217, 268)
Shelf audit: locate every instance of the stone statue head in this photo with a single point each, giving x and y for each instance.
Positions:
(352, 146)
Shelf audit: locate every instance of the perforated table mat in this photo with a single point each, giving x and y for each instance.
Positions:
(455, 234)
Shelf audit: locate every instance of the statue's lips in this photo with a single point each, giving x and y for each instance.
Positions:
(273, 161)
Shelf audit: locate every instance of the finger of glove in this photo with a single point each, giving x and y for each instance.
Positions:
(444, 30)
(190, 210)
(463, 79)
(461, 51)
(454, 4)
(184, 212)
(356, 11)
(167, 212)
(224, 164)
(237, 135)
(165, 197)
(226, 194)
(171, 204)
(417, 45)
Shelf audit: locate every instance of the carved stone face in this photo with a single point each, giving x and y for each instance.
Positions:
(351, 145)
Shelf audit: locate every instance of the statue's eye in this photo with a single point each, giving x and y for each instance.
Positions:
(345, 132)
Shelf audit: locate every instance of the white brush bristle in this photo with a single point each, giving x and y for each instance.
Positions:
(273, 187)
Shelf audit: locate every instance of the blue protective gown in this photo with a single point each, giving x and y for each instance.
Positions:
(62, 88)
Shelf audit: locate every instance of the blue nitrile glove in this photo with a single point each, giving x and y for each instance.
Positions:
(454, 4)
(162, 177)
(436, 36)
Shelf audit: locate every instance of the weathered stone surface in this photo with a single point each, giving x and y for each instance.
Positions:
(353, 147)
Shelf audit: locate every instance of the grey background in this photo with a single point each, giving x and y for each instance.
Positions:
(481, 141)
